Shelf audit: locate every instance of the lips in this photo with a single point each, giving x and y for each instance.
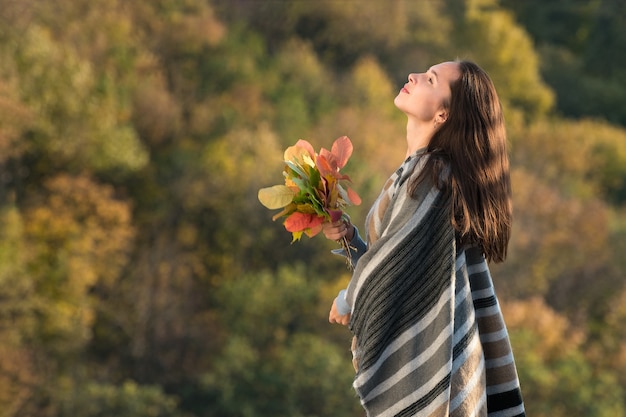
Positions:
(404, 90)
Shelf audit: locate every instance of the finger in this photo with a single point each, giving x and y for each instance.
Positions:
(332, 317)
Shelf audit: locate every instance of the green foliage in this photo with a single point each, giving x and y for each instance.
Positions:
(281, 366)
(126, 400)
(579, 44)
(505, 50)
(299, 91)
(77, 130)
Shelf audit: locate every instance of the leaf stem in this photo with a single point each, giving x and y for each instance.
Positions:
(346, 247)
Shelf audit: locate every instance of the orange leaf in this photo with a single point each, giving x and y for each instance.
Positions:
(313, 231)
(324, 165)
(342, 150)
(330, 159)
(353, 196)
(301, 143)
(298, 222)
(299, 152)
(295, 153)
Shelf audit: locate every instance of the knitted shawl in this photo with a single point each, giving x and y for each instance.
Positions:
(430, 338)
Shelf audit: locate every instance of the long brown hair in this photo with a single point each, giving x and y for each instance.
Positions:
(472, 143)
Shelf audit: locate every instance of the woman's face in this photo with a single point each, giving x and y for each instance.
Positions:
(423, 97)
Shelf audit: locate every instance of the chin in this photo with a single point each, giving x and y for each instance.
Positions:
(397, 101)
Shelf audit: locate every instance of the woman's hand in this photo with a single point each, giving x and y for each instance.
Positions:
(335, 317)
(337, 230)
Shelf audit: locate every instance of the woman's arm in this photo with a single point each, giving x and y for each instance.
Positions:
(340, 309)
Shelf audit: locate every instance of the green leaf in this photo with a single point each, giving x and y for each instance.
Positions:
(275, 197)
(297, 169)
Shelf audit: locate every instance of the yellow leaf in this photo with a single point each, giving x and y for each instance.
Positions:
(296, 236)
(275, 197)
(301, 153)
(308, 160)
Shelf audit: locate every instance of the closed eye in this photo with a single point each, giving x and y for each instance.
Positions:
(433, 76)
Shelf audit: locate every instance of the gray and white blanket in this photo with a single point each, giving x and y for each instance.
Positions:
(430, 337)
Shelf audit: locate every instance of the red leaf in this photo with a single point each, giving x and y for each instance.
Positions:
(323, 165)
(335, 215)
(330, 159)
(298, 222)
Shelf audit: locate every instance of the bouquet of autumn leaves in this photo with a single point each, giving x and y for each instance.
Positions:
(314, 191)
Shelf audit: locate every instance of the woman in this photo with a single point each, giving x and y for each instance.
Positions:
(429, 338)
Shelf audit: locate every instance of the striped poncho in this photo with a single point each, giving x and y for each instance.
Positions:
(430, 338)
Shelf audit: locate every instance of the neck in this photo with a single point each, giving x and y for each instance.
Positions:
(417, 136)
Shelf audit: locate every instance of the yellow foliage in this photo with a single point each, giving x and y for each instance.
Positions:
(551, 331)
(552, 234)
(80, 119)
(245, 154)
(14, 118)
(18, 378)
(298, 62)
(611, 351)
(505, 50)
(565, 153)
(370, 86)
(79, 235)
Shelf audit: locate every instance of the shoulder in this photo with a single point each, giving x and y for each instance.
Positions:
(428, 171)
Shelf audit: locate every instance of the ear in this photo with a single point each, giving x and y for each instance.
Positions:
(441, 116)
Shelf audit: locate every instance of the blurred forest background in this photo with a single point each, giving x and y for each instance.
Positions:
(140, 276)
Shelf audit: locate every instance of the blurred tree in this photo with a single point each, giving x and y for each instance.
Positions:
(581, 44)
(281, 366)
(566, 23)
(549, 234)
(79, 235)
(301, 91)
(14, 120)
(381, 25)
(18, 370)
(582, 158)
(127, 400)
(72, 131)
(605, 35)
(564, 171)
(607, 337)
(489, 35)
(556, 377)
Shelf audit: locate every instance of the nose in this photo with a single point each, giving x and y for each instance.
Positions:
(412, 78)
